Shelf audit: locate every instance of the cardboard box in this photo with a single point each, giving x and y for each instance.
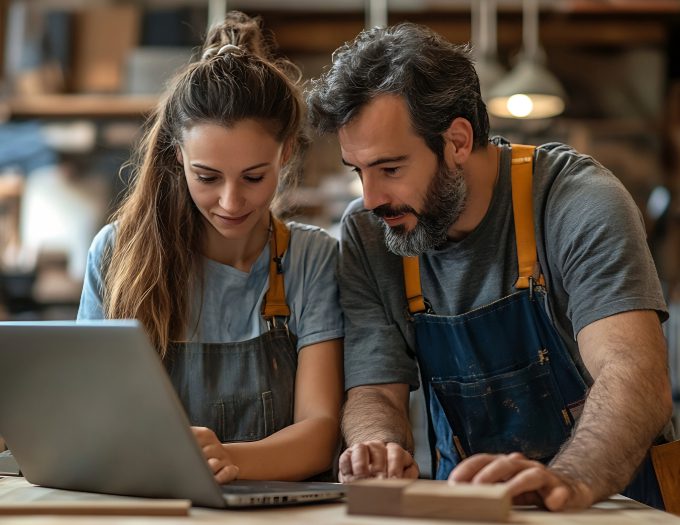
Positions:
(104, 37)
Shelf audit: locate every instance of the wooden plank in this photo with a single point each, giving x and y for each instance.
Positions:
(429, 499)
(379, 497)
(158, 507)
(439, 499)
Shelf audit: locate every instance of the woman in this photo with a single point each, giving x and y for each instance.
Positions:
(242, 308)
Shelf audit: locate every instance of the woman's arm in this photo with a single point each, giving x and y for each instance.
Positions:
(91, 299)
(304, 448)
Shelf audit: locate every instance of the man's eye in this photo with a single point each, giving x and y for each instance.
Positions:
(390, 171)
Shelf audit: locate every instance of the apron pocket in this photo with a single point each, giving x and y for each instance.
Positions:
(516, 411)
(246, 417)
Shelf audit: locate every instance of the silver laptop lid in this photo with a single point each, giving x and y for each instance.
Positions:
(88, 406)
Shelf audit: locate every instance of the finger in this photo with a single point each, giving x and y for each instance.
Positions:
(215, 464)
(198, 433)
(212, 450)
(557, 497)
(226, 474)
(360, 461)
(531, 479)
(397, 460)
(345, 472)
(377, 459)
(412, 471)
(504, 468)
(203, 435)
(468, 468)
(538, 486)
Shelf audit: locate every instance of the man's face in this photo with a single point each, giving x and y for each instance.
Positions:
(417, 196)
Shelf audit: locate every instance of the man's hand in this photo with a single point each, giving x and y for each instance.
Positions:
(375, 459)
(529, 482)
(216, 455)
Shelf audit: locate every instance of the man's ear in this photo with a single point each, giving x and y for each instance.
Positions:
(458, 141)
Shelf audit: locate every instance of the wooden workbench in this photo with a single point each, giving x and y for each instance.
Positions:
(617, 511)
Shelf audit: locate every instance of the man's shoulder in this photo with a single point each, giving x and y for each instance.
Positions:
(555, 160)
(359, 217)
(362, 231)
(354, 209)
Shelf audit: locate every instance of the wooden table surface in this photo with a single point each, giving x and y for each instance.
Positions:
(616, 511)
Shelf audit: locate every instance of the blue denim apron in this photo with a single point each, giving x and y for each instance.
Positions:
(499, 379)
(242, 391)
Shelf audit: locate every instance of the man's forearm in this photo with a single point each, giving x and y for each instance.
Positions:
(626, 408)
(371, 415)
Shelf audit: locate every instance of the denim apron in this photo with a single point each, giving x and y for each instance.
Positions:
(242, 391)
(499, 379)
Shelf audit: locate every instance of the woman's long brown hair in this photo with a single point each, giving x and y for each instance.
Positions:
(153, 270)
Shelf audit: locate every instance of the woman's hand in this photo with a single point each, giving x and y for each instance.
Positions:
(216, 455)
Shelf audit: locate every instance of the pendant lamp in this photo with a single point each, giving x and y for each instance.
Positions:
(529, 91)
(484, 48)
(376, 13)
(217, 9)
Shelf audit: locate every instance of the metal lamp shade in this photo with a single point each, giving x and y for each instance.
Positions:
(529, 91)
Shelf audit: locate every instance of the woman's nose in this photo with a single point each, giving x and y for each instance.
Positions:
(231, 198)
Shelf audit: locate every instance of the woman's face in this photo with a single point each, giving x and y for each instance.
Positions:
(232, 174)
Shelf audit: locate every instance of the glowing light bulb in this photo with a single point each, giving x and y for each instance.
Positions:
(520, 105)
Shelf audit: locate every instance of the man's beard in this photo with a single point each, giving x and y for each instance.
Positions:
(444, 203)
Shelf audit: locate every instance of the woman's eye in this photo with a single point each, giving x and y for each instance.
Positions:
(253, 178)
(206, 179)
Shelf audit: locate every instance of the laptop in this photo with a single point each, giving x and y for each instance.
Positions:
(88, 406)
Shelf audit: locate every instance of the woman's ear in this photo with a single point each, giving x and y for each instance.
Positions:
(458, 141)
(178, 154)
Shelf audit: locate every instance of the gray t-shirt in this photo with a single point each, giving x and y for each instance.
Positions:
(591, 245)
(229, 309)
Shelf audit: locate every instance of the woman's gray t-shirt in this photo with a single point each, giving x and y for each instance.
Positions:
(229, 309)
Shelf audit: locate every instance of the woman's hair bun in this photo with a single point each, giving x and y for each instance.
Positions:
(236, 33)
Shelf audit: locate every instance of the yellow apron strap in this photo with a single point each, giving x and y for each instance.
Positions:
(523, 211)
(414, 293)
(275, 301)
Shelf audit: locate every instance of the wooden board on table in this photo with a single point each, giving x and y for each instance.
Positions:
(429, 499)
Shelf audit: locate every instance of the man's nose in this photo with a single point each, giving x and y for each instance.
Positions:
(374, 194)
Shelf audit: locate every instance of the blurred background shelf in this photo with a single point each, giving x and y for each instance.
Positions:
(80, 106)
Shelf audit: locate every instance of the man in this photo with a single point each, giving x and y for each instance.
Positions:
(548, 372)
